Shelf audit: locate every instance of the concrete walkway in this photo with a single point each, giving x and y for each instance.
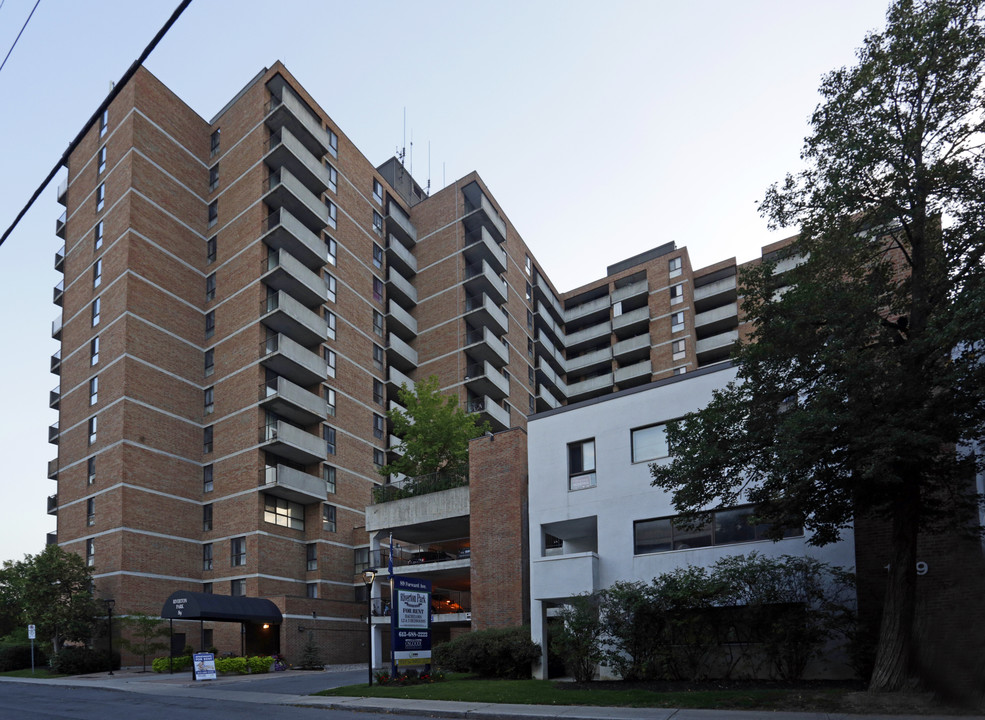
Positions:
(182, 686)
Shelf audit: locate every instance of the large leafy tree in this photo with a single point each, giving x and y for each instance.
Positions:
(53, 591)
(864, 370)
(434, 432)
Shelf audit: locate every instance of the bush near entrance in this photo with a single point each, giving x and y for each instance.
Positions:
(498, 652)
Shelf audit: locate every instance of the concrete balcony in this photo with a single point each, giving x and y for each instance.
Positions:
(285, 315)
(635, 374)
(631, 323)
(480, 212)
(395, 380)
(592, 386)
(480, 310)
(716, 348)
(286, 151)
(481, 278)
(594, 359)
(563, 576)
(60, 259)
(545, 321)
(53, 504)
(51, 538)
(293, 361)
(717, 320)
(284, 191)
(399, 225)
(484, 379)
(547, 377)
(588, 336)
(636, 289)
(53, 433)
(546, 349)
(283, 231)
(632, 348)
(788, 263)
(55, 397)
(56, 362)
(482, 344)
(716, 293)
(292, 402)
(53, 469)
(56, 327)
(400, 321)
(596, 309)
(400, 289)
(60, 225)
(399, 354)
(546, 295)
(286, 273)
(289, 111)
(400, 258)
(62, 195)
(58, 293)
(546, 400)
(486, 407)
(291, 442)
(300, 487)
(480, 246)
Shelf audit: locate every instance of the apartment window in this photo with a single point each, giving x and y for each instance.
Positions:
(91, 512)
(529, 292)
(93, 427)
(677, 321)
(94, 351)
(378, 391)
(333, 177)
(213, 177)
(531, 403)
(328, 473)
(378, 323)
(207, 517)
(210, 287)
(377, 289)
(311, 590)
(379, 457)
(649, 442)
(100, 196)
(211, 245)
(311, 556)
(97, 273)
(328, 518)
(332, 284)
(90, 552)
(104, 122)
(209, 400)
(377, 225)
(674, 266)
(329, 434)
(530, 347)
(237, 588)
(209, 324)
(727, 527)
(330, 360)
(581, 464)
(207, 439)
(91, 471)
(101, 161)
(97, 236)
(676, 294)
(95, 311)
(237, 551)
(207, 589)
(333, 213)
(528, 264)
(213, 213)
(377, 191)
(207, 556)
(284, 513)
(209, 362)
(378, 357)
(678, 349)
(377, 255)
(214, 143)
(94, 390)
(207, 478)
(530, 321)
(330, 322)
(333, 142)
(379, 427)
(329, 401)
(333, 250)
(680, 370)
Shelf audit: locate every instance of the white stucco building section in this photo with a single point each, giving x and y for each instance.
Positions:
(596, 524)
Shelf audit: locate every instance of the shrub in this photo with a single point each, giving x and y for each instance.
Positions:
(499, 652)
(231, 665)
(577, 637)
(82, 660)
(182, 662)
(260, 663)
(633, 627)
(18, 657)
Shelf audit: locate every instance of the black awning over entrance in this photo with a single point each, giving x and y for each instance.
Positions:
(187, 605)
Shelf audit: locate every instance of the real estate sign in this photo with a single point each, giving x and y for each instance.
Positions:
(410, 619)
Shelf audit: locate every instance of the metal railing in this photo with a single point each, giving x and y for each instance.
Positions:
(420, 485)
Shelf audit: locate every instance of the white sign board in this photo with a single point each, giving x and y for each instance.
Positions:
(204, 666)
(31, 635)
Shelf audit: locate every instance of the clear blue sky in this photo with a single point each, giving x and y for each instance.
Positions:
(603, 129)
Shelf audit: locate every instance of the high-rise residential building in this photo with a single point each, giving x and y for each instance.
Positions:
(243, 296)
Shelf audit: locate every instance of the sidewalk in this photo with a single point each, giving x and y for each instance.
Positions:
(182, 685)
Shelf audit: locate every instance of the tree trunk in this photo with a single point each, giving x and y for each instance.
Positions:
(892, 669)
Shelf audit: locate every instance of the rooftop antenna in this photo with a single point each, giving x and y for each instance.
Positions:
(403, 148)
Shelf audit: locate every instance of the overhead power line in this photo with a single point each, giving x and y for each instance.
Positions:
(20, 33)
(96, 115)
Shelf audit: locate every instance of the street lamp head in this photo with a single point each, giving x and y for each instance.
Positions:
(110, 603)
(369, 576)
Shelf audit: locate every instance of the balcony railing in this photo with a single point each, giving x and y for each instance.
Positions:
(420, 485)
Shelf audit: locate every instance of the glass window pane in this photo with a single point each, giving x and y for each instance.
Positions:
(652, 536)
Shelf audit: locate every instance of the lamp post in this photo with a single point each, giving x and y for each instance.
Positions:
(369, 575)
(110, 603)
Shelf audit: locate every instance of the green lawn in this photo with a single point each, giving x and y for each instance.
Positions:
(41, 672)
(546, 692)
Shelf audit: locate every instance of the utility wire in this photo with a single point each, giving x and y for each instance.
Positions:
(96, 115)
(20, 33)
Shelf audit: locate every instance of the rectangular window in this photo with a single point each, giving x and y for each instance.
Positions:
(581, 464)
(379, 426)
(97, 235)
(528, 264)
(211, 245)
(104, 122)
(90, 552)
(207, 589)
(328, 518)
(379, 457)
(377, 226)
(210, 287)
(677, 321)
(91, 471)
(377, 256)
(94, 351)
(97, 273)
(311, 556)
(530, 321)
(333, 143)
(213, 213)
(101, 161)
(377, 191)
(531, 404)
(209, 362)
(332, 284)
(93, 427)
(333, 178)
(329, 474)
(209, 400)
(329, 402)
(378, 357)
(378, 323)
(311, 590)
(208, 478)
(727, 527)
(649, 443)
(284, 513)
(529, 292)
(530, 348)
(333, 212)
(680, 370)
(94, 390)
(676, 294)
(330, 360)
(377, 289)
(209, 324)
(237, 551)
(207, 556)
(333, 251)
(207, 439)
(237, 588)
(213, 177)
(678, 349)
(207, 517)
(530, 375)
(674, 266)
(100, 196)
(91, 512)
(330, 322)
(95, 312)
(329, 434)
(378, 391)
(214, 143)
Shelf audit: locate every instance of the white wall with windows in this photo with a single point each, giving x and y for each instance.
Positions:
(595, 518)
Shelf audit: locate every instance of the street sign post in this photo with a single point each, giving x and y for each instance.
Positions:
(30, 635)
